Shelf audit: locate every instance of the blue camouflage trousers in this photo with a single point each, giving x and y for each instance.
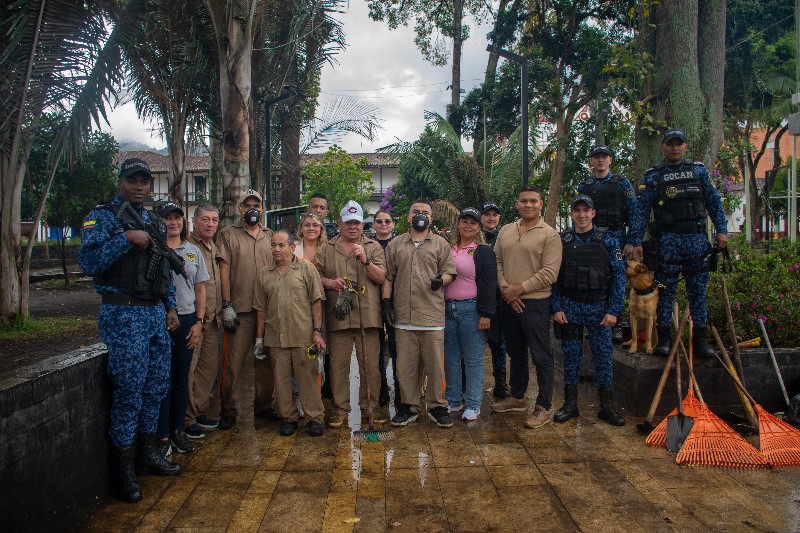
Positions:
(139, 349)
(590, 316)
(674, 247)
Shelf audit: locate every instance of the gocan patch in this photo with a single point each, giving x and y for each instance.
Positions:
(618, 255)
(629, 194)
(568, 237)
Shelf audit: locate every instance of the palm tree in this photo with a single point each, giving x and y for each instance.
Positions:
(171, 69)
(59, 57)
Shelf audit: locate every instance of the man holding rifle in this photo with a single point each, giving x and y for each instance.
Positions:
(132, 272)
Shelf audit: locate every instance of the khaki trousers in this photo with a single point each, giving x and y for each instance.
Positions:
(340, 346)
(417, 349)
(204, 370)
(239, 354)
(285, 362)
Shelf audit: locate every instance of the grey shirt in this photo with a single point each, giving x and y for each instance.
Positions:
(196, 269)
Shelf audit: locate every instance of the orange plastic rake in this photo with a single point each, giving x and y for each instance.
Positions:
(713, 443)
(778, 441)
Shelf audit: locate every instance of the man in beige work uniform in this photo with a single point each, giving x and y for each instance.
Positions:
(242, 250)
(288, 298)
(205, 363)
(359, 259)
(418, 265)
(528, 260)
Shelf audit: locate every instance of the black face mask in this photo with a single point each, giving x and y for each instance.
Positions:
(251, 217)
(420, 222)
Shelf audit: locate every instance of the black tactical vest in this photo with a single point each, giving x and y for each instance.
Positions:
(142, 274)
(679, 197)
(585, 266)
(609, 202)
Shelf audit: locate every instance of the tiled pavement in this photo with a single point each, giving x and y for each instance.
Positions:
(488, 475)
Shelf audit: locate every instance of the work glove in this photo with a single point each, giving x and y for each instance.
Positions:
(229, 318)
(258, 349)
(343, 305)
(387, 312)
(436, 283)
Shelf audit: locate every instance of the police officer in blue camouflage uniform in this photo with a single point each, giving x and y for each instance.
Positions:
(589, 294)
(614, 201)
(681, 195)
(134, 318)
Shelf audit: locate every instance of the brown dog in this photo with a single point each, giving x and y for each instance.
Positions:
(642, 304)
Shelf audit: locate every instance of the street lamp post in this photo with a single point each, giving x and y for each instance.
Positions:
(268, 155)
(523, 63)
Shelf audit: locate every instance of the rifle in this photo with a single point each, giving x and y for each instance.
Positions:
(130, 219)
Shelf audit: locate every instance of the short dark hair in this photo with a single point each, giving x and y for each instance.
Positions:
(422, 201)
(382, 210)
(531, 188)
(320, 196)
(285, 232)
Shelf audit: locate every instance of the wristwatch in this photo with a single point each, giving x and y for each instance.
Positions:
(368, 262)
(201, 319)
(318, 330)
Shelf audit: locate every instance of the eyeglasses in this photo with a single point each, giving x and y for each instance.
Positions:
(383, 221)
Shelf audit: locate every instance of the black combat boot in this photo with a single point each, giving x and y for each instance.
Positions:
(150, 458)
(125, 483)
(664, 341)
(570, 407)
(500, 387)
(616, 335)
(607, 410)
(700, 344)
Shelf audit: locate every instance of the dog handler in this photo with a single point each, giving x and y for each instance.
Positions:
(589, 294)
(680, 193)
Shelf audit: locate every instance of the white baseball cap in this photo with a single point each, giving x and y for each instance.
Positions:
(352, 211)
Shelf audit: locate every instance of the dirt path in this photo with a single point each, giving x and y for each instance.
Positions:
(53, 299)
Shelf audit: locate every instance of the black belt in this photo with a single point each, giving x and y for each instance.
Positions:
(124, 299)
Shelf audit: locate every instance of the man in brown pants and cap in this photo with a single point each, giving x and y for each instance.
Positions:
(242, 250)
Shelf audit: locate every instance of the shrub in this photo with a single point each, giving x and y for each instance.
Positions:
(762, 285)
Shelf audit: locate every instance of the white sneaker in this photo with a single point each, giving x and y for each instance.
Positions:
(470, 414)
(455, 409)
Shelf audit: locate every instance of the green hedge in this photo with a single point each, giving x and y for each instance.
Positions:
(762, 284)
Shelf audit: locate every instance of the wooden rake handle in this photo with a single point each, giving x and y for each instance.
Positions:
(665, 373)
(726, 363)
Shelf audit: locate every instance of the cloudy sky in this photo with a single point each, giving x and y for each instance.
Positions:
(381, 66)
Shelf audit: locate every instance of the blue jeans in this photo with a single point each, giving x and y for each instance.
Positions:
(173, 407)
(463, 339)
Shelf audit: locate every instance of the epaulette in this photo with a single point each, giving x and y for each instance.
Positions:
(698, 163)
(658, 166)
(599, 234)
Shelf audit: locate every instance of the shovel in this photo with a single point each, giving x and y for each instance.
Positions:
(679, 425)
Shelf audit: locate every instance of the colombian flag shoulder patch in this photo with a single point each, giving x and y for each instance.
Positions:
(89, 224)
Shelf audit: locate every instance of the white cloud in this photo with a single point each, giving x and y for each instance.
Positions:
(380, 65)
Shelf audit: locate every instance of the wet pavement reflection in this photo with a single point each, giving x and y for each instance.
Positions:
(488, 475)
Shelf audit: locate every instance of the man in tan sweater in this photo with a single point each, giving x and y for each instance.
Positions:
(528, 260)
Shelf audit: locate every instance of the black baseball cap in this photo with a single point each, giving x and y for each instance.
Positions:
(489, 206)
(470, 212)
(600, 149)
(134, 165)
(581, 198)
(169, 208)
(673, 133)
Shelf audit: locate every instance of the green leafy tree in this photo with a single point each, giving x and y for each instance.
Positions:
(77, 187)
(340, 178)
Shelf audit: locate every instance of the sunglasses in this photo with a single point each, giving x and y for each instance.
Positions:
(384, 221)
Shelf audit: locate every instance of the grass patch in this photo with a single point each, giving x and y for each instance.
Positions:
(49, 325)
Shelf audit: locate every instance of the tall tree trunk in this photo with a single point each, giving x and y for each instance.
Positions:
(563, 124)
(215, 184)
(689, 48)
(290, 145)
(455, 95)
(234, 31)
(176, 148)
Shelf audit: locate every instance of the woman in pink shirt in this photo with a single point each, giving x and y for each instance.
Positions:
(470, 303)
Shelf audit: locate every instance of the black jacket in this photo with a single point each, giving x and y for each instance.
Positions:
(486, 280)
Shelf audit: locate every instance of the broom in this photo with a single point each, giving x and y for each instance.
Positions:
(713, 443)
(778, 441)
(689, 406)
(372, 434)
